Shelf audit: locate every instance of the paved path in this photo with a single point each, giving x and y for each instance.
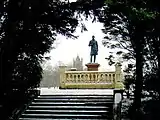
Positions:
(56, 91)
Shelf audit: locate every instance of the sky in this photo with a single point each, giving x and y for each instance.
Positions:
(67, 49)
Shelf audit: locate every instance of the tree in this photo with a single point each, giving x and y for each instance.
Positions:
(51, 75)
(130, 21)
(48, 76)
(27, 31)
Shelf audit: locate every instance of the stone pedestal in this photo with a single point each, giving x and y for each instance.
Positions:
(92, 66)
(73, 69)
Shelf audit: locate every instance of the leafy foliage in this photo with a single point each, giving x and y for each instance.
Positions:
(28, 28)
(129, 25)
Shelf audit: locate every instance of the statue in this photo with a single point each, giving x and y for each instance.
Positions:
(94, 49)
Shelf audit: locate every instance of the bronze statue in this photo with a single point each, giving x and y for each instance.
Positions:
(94, 49)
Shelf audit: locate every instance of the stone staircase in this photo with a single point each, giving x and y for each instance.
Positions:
(71, 107)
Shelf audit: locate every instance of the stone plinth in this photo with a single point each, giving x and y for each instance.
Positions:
(92, 66)
(73, 69)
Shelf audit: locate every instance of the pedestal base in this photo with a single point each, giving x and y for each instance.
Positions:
(92, 66)
(73, 69)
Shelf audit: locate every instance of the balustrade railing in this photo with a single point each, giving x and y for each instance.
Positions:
(89, 77)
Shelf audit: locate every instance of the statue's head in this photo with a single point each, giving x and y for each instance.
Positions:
(93, 37)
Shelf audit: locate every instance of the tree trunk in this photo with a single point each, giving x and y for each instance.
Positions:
(138, 82)
(158, 72)
(139, 41)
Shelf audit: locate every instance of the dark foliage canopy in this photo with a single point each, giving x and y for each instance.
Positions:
(28, 28)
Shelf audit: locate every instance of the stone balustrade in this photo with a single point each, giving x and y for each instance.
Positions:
(91, 79)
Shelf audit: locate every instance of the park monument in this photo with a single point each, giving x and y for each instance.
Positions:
(92, 77)
(93, 66)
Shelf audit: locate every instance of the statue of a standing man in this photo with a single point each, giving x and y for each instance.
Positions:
(94, 49)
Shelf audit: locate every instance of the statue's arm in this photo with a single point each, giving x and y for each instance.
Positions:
(97, 45)
(89, 43)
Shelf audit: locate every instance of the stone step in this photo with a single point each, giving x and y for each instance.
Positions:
(73, 116)
(71, 100)
(68, 107)
(80, 112)
(71, 107)
(51, 91)
(71, 103)
(57, 119)
(69, 111)
(75, 96)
